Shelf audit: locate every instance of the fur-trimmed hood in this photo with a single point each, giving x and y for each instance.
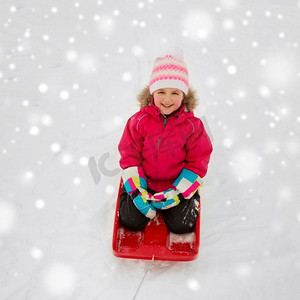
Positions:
(190, 99)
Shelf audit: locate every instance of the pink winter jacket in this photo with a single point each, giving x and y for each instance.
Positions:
(164, 146)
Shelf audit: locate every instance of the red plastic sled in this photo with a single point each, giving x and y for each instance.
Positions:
(155, 241)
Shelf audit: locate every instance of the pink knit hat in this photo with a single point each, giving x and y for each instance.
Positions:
(170, 71)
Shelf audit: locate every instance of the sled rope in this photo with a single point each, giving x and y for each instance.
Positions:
(139, 287)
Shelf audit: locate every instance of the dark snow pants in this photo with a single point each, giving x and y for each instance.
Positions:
(178, 219)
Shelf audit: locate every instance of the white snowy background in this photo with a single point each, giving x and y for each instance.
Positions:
(70, 72)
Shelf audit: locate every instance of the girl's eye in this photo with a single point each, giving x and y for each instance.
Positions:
(175, 94)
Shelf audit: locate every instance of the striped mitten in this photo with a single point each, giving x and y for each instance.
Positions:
(136, 186)
(186, 184)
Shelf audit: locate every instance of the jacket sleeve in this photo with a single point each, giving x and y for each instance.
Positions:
(131, 144)
(198, 148)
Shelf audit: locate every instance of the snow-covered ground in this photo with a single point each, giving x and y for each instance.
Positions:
(69, 75)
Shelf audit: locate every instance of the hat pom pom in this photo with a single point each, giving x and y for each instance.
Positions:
(174, 51)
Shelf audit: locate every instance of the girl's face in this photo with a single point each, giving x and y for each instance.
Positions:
(168, 99)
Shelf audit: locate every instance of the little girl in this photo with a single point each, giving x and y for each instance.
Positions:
(164, 151)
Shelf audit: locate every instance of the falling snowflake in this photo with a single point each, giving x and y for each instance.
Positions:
(60, 279)
(198, 25)
(43, 88)
(127, 76)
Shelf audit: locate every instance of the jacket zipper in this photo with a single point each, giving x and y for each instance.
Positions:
(165, 123)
